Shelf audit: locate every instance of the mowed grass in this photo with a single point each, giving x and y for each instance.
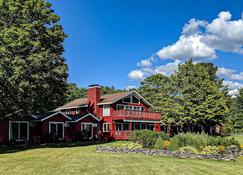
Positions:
(239, 138)
(85, 160)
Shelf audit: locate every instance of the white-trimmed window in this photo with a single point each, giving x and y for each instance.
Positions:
(106, 127)
(77, 110)
(18, 130)
(131, 99)
(57, 129)
(129, 108)
(106, 110)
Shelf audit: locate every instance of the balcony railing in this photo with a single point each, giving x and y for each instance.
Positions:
(123, 135)
(136, 115)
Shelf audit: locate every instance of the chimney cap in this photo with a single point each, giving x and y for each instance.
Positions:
(94, 85)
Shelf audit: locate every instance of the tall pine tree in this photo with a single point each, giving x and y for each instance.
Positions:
(238, 114)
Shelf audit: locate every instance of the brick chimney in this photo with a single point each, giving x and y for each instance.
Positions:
(94, 98)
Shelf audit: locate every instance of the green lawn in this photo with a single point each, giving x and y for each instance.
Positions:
(85, 160)
(239, 138)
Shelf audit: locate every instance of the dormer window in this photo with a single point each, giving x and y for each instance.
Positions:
(130, 99)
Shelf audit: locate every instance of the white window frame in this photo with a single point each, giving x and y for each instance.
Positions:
(87, 123)
(10, 130)
(77, 110)
(106, 127)
(131, 99)
(106, 110)
(140, 107)
(63, 126)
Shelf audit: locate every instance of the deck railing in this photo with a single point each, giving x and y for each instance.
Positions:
(136, 115)
(123, 135)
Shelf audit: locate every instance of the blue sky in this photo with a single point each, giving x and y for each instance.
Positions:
(108, 39)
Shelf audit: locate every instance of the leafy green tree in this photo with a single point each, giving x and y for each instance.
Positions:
(158, 90)
(204, 102)
(109, 90)
(238, 112)
(33, 72)
(73, 92)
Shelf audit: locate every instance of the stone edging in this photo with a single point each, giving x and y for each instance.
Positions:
(227, 157)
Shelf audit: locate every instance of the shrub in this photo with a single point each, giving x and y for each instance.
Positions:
(147, 138)
(221, 149)
(159, 143)
(189, 149)
(210, 150)
(241, 146)
(200, 140)
(166, 144)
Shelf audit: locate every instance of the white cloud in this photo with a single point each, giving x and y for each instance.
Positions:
(193, 26)
(201, 39)
(146, 62)
(131, 87)
(136, 75)
(168, 68)
(187, 47)
(229, 73)
(233, 87)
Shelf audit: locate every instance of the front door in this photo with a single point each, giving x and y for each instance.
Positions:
(87, 130)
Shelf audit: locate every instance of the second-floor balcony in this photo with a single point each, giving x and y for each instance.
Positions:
(136, 115)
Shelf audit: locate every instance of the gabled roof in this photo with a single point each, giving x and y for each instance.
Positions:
(79, 117)
(104, 99)
(71, 118)
(112, 98)
(78, 103)
(39, 117)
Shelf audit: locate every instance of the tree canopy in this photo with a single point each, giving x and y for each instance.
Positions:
(74, 92)
(192, 97)
(237, 116)
(33, 71)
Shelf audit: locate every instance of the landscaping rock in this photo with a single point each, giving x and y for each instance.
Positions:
(231, 153)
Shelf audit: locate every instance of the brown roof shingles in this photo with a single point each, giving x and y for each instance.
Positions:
(111, 98)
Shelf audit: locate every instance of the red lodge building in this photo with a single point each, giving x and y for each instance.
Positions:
(112, 116)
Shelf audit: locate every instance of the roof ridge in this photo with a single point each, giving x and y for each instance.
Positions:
(117, 93)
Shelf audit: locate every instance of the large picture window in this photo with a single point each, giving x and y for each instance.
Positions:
(129, 108)
(87, 129)
(57, 129)
(122, 127)
(18, 130)
(130, 99)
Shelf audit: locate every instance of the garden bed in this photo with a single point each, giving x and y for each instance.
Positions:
(231, 154)
(183, 145)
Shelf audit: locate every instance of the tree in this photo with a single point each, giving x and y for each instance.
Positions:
(73, 92)
(238, 111)
(33, 72)
(109, 90)
(205, 102)
(158, 90)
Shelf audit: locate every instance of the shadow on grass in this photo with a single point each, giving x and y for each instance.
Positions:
(19, 148)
